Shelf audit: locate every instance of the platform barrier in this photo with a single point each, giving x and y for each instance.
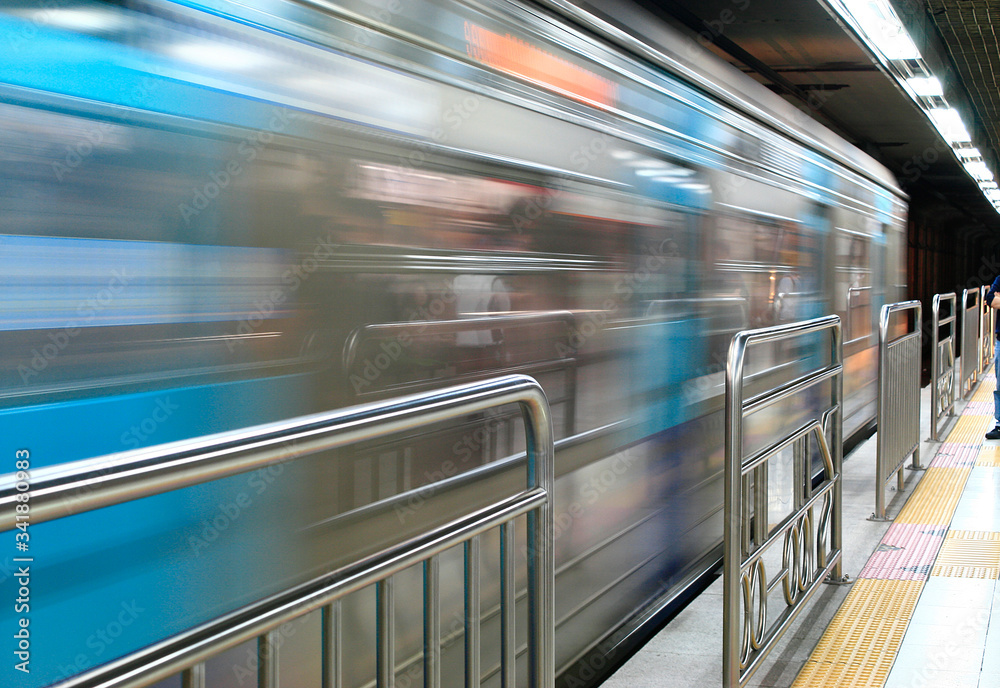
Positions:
(942, 362)
(71, 489)
(898, 418)
(970, 342)
(814, 514)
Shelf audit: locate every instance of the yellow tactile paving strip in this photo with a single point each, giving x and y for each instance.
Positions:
(969, 554)
(985, 391)
(935, 498)
(860, 644)
(970, 429)
(989, 456)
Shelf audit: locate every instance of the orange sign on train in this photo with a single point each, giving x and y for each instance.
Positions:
(519, 58)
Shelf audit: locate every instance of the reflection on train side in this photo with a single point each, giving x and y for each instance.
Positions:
(243, 218)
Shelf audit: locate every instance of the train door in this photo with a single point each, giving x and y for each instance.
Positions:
(855, 301)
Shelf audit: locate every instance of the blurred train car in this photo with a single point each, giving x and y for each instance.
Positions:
(217, 214)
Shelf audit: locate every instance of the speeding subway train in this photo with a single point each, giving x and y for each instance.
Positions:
(221, 213)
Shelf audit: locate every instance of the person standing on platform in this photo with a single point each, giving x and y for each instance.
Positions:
(994, 303)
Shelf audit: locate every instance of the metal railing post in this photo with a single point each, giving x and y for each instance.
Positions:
(898, 416)
(807, 561)
(58, 492)
(942, 362)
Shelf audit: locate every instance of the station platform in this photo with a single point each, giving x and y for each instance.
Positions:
(923, 608)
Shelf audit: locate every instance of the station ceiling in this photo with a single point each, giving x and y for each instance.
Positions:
(800, 50)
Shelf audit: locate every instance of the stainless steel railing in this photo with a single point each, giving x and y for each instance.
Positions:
(987, 340)
(816, 514)
(898, 418)
(86, 485)
(970, 342)
(943, 373)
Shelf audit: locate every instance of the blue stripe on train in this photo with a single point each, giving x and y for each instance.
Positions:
(108, 582)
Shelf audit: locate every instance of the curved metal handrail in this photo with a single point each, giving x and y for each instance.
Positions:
(942, 381)
(748, 534)
(970, 341)
(73, 488)
(81, 486)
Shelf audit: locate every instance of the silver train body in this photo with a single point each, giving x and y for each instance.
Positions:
(217, 214)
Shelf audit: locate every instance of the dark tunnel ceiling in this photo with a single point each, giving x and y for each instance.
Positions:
(798, 49)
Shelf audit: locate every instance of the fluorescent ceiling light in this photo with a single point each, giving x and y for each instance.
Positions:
(79, 19)
(979, 171)
(926, 87)
(622, 154)
(219, 56)
(675, 174)
(882, 28)
(986, 186)
(967, 153)
(949, 123)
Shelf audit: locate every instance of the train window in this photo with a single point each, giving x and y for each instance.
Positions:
(147, 256)
(768, 261)
(486, 274)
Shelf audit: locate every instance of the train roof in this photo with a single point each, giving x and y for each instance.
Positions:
(651, 39)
